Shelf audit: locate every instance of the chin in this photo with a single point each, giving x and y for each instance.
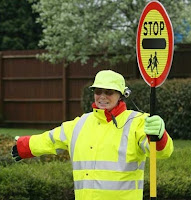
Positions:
(103, 107)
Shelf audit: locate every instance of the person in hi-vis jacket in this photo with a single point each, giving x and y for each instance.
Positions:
(107, 147)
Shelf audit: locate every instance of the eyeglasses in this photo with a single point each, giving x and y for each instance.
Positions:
(99, 91)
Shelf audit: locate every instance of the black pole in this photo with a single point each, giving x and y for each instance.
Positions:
(153, 108)
(152, 101)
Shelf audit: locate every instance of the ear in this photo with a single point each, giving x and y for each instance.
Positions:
(120, 98)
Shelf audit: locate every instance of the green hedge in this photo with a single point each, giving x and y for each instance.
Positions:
(33, 179)
(6, 143)
(52, 181)
(173, 103)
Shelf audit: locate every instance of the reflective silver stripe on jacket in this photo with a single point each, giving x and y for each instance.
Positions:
(62, 138)
(107, 165)
(51, 133)
(143, 146)
(121, 165)
(124, 140)
(76, 132)
(107, 185)
(62, 134)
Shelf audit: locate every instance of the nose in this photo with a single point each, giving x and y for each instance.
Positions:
(103, 95)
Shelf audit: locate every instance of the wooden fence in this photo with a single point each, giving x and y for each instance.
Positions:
(42, 95)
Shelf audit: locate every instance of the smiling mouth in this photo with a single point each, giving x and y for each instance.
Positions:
(103, 103)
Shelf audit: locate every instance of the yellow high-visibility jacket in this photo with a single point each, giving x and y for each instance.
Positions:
(108, 162)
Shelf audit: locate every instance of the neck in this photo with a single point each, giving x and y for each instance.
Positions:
(118, 109)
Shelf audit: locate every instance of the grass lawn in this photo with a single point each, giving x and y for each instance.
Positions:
(178, 160)
(19, 132)
(182, 144)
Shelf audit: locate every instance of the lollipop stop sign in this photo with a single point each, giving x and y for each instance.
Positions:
(155, 44)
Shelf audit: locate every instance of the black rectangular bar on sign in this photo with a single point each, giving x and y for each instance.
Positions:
(154, 43)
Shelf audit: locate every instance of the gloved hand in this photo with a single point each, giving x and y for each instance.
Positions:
(14, 151)
(154, 126)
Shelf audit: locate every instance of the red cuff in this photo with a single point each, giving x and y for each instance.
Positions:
(160, 145)
(23, 147)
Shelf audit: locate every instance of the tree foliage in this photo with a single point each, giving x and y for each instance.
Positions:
(18, 29)
(75, 29)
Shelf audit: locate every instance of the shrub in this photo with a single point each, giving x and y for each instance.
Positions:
(53, 180)
(6, 144)
(22, 181)
(38, 178)
(172, 103)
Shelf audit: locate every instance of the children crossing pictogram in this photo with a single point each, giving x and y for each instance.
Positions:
(150, 61)
(153, 62)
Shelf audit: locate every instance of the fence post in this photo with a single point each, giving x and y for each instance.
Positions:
(1, 88)
(64, 92)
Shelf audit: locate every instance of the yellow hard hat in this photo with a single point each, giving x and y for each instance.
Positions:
(109, 79)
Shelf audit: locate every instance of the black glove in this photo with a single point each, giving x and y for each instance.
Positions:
(15, 153)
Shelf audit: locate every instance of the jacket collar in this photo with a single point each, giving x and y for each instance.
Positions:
(108, 114)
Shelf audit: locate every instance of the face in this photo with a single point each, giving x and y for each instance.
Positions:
(106, 99)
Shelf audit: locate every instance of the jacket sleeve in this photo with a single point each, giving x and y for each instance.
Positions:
(49, 142)
(164, 147)
(23, 147)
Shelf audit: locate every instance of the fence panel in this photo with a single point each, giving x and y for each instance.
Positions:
(42, 95)
(32, 90)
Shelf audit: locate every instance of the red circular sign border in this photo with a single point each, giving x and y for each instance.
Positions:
(156, 82)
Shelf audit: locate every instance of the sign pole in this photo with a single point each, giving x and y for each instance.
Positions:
(153, 176)
(154, 45)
